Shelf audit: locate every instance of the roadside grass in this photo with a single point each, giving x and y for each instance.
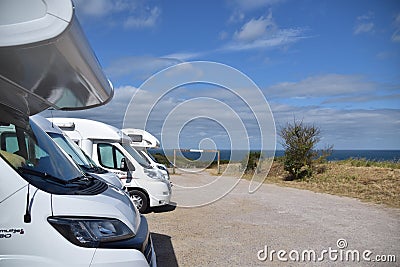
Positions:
(370, 181)
(362, 162)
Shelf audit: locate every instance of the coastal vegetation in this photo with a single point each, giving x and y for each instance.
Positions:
(299, 141)
(370, 181)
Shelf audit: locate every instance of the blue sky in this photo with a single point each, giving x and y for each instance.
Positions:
(335, 64)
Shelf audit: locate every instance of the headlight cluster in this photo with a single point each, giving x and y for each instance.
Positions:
(152, 174)
(165, 176)
(90, 232)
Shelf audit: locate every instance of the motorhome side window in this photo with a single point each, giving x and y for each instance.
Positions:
(35, 156)
(109, 156)
(18, 148)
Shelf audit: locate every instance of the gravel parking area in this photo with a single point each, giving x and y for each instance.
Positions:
(233, 230)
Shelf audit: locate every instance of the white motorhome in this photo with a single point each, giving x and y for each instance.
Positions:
(76, 153)
(52, 214)
(142, 140)
(110, 148)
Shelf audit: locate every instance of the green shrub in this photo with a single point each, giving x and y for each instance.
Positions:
(299, 141)
(250, 163)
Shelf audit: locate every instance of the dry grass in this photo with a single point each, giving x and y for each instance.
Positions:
(379, 185)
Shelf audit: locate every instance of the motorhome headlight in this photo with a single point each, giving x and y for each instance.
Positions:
(152, 174)
(90, 232)
(165, 176)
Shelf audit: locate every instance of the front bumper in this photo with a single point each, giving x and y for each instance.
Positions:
(165, 198)
(136, 251)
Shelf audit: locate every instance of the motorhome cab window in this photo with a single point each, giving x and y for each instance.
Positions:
(136, 155)
(36, 158)
(72, 150)
(144, 157)
(18, 148)
(110, 156)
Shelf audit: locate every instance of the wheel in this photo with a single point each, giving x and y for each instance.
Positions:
(140, 199)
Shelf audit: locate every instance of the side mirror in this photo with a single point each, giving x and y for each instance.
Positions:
(126, 165)
(123, 166)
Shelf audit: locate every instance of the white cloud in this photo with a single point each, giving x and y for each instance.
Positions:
(223, 35)
(396, 34)
(363, 27)
(368, 16)
(322, 86)
(111, 113)
(364, 24)
(248, 5)
(384, 55)
(242, 8)
(255, 29)
(95, 8)
(346, 129)
(147, 20)
(237, 16)
(126, 13)
(184, 70)
(263, 33)
(183, 56)
(138, 67)
(279, 39)
(346, 126)
(99, 8)
(363, 98)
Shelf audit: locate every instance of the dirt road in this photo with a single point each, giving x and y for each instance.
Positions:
(242, 228)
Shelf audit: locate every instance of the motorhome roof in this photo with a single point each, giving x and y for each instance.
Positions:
(90, 129)
(141, 138)
(45, 59)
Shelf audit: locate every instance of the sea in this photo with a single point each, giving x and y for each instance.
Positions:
(238, 155)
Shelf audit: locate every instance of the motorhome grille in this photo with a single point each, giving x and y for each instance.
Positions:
(97, 188)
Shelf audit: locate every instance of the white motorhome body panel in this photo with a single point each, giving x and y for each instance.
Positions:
(118, 205)
(17, 248)
(8, 178)
(141, 139)
(112, 257)
(89, 129)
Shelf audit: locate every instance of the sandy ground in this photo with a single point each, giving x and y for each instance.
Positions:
(237, 229)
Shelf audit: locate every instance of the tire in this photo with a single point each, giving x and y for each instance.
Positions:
(140, 199)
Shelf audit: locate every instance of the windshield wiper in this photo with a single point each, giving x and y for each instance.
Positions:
(86, 168)
(79, 180)
(43, 175)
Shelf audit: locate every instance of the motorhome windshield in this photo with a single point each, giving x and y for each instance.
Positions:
(72, 150)
(136, 155)
(32, 153)
(144, 156)
(150, 155)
